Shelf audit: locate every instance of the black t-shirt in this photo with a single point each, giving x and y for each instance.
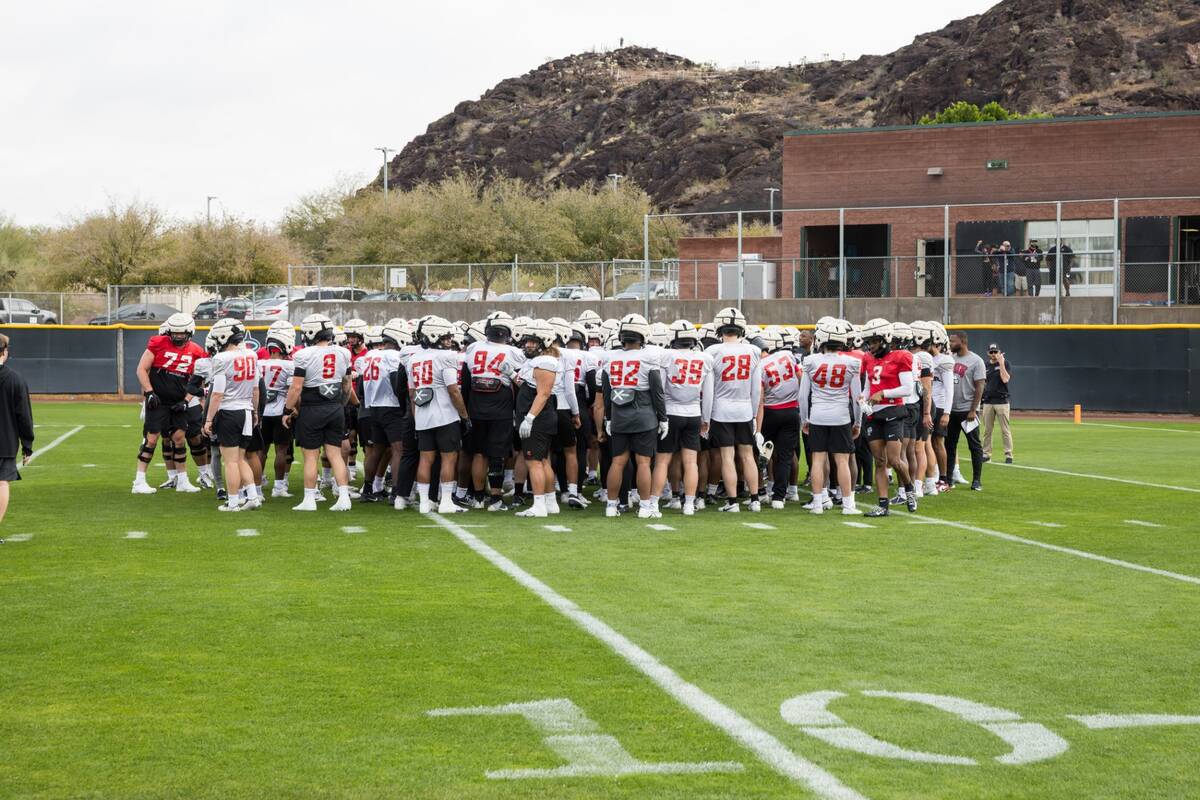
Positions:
(994, 389)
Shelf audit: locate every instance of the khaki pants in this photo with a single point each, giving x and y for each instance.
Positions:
(991, 413)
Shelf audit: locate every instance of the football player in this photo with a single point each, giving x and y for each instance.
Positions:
(737, 389)
(315, 408)
(688, 389)
(164, 372)
(830, 385)
(275, 366)
(889, 382)
(231, 411)
(440, 414)
(385, 398)
(565, 455)
(943, 400)
(490, 407)
(779, 415)
(537, 408)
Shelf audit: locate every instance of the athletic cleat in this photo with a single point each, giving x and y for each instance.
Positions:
(877, 511)
(976, 486)
(399, 504)
(912, 504)
(793, 495)
(222, 494)
(321, 496)
(450, 508)
(688, 510)
(674, 504)
(253, 503)
(144, 488)
(368, 496)
(730, 506)
(204, 481)
(169, 483)
(185, 486)
(531, 512)
(849, 510)
(425, 507)
(1008, 459)
(958, 478)
(919, 490)
(817, 508)
(649, 512)
(278, 490)
(778, 505)
(897, 501)
(354, 493)
(699, 504)
(612, 511)
(342, 504)
(576, 501)
(499, 505)
(755, 506)
(227, 507)
(552, 505)
(943, 487)
(307, 504)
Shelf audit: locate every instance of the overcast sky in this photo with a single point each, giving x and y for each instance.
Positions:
(258, 103)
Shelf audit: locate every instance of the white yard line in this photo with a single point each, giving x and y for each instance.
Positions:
(1142, 523)
(136, 535)
(557, 528)
(759, 526)
(247, 532)
(42, 450)
(859, 524)
(17, 537)
(1097, 477)
(1138, 427)
(1116, 562)
(353, 529)
(769, 749)
(1045, 524)
(1103, 722)
(654, 527)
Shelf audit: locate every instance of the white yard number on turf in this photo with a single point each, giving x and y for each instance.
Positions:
(578, 740)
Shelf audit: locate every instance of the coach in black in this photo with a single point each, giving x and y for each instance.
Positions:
(16, 424)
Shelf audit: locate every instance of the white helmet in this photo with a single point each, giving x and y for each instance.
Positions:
(580, 332)
(282, 334)
(922, 333)
(877, 328)
(356, 327)
(771, 339)
(518, 326)
(608, 329)
(374, 335)
(856, 336)
(316, 327)
(660, 334)
(475, 332)
(588, 317)
(683, 331)
(707, 331)
(227, 331)
(210, 344)
(179, 324)
(790, 336)
(540, 331)
(162, 328)
(339, 335)
(431, 330)
(729, 318)
(561, 327)
(634, 324)
(901, 333)
(397, 331)
(499, 320)
(836, 331)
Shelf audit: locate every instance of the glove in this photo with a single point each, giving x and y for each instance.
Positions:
(608, 426)
(759, 441)
(466, 424)
(152, 401)
(663, 427)
(179, 407)
(526, 429)
(506, 368)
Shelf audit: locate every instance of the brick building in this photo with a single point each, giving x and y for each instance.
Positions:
(1001, 181)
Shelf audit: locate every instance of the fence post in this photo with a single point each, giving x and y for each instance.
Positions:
(1169, 286)
(120, 363)
(741, 285)
(427, 278)
(62, 306)
(557, 280)
(946, 265)
(842, 263)
(646, 262)
(1058, 276)
(514, 274)
(1116, 259)
(481, 297)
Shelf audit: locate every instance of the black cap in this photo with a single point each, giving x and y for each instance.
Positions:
(993, 348)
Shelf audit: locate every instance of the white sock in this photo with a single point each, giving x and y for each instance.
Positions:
(689, 500)
(572, 488)
(423, 492)
(539, 502)
(377, 485)
(613, 504)
(447, 491)
(508, 476)
(139, 477)
(901, 493)
(343, 491)
(712, 488)
(327, 473)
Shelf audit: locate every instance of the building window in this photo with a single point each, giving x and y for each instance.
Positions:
(1092, 240)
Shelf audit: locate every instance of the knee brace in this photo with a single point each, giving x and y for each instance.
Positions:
(496, 472)
(145, 454)
(197, 448)
(180, 454)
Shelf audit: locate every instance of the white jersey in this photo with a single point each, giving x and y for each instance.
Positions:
(235, 377)
(922, 365)
(600, 359)
(688, 384)
(376, 368)
(829, 389)
(321, 366)
(276, 374)
(430, 373)
(943, 381)
(736, 381)
(630, 369)
(570, 366)
(485, 359)
(780, 380)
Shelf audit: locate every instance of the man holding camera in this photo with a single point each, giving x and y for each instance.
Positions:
(995, 403)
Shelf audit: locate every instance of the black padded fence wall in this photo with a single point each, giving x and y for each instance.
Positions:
(65, 360)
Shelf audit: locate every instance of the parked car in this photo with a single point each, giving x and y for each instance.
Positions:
(15, 309)
(392, 297)
(518, 297)
(336, 293)
(218, 307)
(576, 292)
(462, 295)
(271, 309)
(135, 312)
(637, 291)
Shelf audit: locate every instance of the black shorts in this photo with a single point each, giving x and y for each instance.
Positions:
(256, 443)
(920, 432)
(387, 425)
(938, 428)
(886, 424)
(229, 429)
(831, 438)
(195, 421)
(320, 424)
(351, 416)
(683, 433)
(365, 427)
(444, 438)
(163, 420)
(8, 470)
(491, 438)
(727, 434)
(273, 431)
(912, 413)
(537, 445)
(565, 436)
(642, 444)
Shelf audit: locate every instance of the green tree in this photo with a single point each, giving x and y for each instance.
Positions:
(231, 252)
(310, 223)
(20, 262)
(962, 111)
(116, 246)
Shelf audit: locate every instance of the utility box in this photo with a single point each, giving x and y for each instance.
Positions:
(758, 279)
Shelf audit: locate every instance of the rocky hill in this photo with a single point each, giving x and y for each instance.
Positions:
(700, 138)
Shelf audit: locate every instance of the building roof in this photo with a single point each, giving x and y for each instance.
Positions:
(1042, 120)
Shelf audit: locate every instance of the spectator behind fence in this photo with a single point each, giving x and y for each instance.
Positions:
(995, 403)
(1068, 262)
(1012, 269)
(969, 374)
(1033, 268)
(16, 424)
(988, 272)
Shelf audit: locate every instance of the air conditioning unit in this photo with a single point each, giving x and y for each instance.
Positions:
(758, 279)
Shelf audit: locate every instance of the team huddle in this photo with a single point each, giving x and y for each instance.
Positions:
(523, 414)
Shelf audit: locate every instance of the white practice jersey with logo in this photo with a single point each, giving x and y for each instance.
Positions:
(688, 383)
(436, 370)
(630, 369)
(943, 381)
(322, 365)
(829, 388)
(780, 379)
(486, 359)
(376, 368)
(922, 363)
(736, 381)
(235, 377)
(276, 374)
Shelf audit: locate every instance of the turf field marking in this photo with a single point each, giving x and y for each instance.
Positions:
(55, 443)
(247, 532)
(18, 537)
(858, 524)
(1099, 477)
(655, 527)
(769, 749)
(1045, 524)
(87, 466)
(353, 529)
(578, 740)
(557, 528)
(759, 526)
(1116, 562)
(1100, 722)
(1134, 427)
(136, 535)
(1030, 741)
(1142, 523)
(464, 525)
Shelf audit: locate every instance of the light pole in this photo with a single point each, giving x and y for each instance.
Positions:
(614, 179)
(208, 208)
(385, 151)
(771, 190)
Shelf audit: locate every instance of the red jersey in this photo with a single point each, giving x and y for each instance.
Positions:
(172, 366)
(884, 373)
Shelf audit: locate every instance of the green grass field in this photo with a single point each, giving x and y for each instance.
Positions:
(199, 661)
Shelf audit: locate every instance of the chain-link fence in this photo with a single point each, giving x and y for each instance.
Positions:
(205, 302)
(51, 308)
(1161, 284)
